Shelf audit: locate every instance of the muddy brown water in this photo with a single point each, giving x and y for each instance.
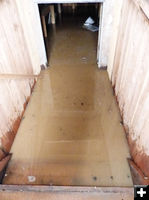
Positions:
(71, 132)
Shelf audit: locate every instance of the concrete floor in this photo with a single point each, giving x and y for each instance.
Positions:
(71, 132)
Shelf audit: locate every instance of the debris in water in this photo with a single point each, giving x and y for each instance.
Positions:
(31, 179)
(84, 59)
(89, 25)
(91, 28)
(89, 21)
(94, 178)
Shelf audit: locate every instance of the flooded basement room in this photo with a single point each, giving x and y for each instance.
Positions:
(70, 134)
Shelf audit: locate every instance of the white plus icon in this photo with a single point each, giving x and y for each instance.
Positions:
(141, 192)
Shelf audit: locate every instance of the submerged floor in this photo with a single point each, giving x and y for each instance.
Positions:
(71, 132)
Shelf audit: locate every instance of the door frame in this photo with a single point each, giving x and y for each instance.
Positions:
(37, 2)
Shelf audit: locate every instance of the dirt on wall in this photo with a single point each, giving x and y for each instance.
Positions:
(8, 137)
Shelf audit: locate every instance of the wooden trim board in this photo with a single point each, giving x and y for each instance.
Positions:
(46, 188)
(67, 1)
(60, 192)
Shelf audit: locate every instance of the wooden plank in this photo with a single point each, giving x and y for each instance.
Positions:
(143, 6)
(45, 10)
(131, 83)
(67, 1)
(44, 26)
(52, 14)
(31, 24)
(59, 9)
(12, 192)
(14, 54)
(14, 59)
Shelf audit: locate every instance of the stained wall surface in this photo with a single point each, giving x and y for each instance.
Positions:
(130, 78)
(15, 61)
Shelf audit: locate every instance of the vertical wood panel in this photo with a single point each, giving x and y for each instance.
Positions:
(12, 39)
(130, 77)
(14, 59)
(30, 20)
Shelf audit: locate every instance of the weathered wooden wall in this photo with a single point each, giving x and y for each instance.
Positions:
(129, 69)
(15, 61)
(30, 20)
(130, 77)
